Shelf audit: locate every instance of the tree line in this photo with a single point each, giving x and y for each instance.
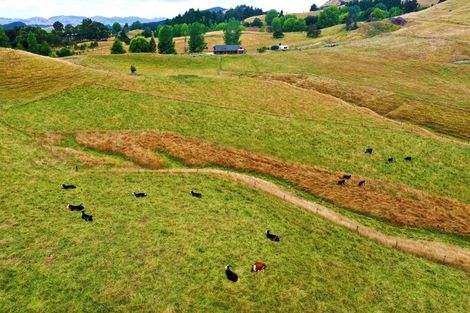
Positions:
(37, 40)
(210, 18)
(193, 24)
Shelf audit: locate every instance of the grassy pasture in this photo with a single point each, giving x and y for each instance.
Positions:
(440, 166)
(167, 252)
(403, 205)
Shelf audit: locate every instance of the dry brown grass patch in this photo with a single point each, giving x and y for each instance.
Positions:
(396, 203)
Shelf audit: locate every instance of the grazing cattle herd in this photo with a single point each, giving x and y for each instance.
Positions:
(343, 180)
(232, 276)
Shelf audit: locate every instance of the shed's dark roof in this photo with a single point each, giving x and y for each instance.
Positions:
(226, 48)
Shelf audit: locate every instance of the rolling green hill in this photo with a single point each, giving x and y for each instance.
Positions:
(299, 119)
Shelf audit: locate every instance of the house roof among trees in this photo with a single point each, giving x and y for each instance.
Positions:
(226, 48)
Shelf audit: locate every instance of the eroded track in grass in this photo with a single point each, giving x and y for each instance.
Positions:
(435, 251)
(396, 203)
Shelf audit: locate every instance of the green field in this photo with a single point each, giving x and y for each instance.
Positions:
(167, 252)
(397, 92)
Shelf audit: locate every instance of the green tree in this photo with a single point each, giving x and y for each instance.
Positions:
(379, 14)
(117, 47)
(123, 37)
(177, 30)
(64, 52)
(33, 46)
(58, 26)
(395, 11)
(116, 28)
(125, 29)
(147, 33)
(257, 22)
(196, 38)
(153, 45)
(185, 30)
(136, 25)
(309, 20)
(289, 25)
(409, 6)
(4, 40)
(300, 25)
(44, 49)
(353, 15)
(314, 7)
(277, 28)
(329, 17)
(139, 44)
(232, 32)
(166, 45)
(313, 31)
(270, 16)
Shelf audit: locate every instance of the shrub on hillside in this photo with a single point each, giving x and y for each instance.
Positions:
(139, 44)
(262, 50)
(44, 49)
(313, 31)
(380, 27)
(257, 22)
(395, 11)
(117, 47)
(133, 70)
(398, 21)
(94, 45)
(64, 52)
(379, 14)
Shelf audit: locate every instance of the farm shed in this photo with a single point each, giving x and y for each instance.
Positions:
(229, 49)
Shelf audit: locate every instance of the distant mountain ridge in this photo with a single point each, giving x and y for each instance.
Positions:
(75, 20)
(13, 25)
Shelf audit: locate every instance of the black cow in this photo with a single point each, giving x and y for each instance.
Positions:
(72, 207)
(67, 187)
(196, 195)
(272, 237)
(86, 217)
(231, 275)
(139, 194)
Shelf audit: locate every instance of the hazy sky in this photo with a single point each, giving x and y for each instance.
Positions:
(142, 8)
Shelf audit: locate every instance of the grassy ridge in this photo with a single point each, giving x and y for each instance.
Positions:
(439, 167)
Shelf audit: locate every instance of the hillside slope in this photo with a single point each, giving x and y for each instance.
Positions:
(424, 3)
(300, 119)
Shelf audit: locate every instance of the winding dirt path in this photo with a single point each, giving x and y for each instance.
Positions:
(435, 251)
